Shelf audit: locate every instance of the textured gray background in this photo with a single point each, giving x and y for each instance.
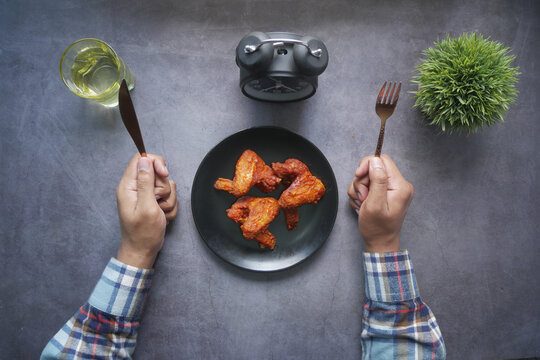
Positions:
(472, 228)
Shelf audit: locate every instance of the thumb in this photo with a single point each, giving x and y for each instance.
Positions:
(145, 182)
(378, 185)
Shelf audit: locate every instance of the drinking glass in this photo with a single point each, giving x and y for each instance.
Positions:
(90, 68)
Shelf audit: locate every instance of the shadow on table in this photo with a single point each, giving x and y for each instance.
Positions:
(457, 151)
(96, 117)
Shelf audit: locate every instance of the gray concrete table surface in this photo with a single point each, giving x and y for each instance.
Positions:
(472, 229)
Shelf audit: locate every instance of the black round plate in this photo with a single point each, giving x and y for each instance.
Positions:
(223, 236)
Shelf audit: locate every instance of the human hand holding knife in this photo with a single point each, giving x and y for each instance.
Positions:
(129, 118)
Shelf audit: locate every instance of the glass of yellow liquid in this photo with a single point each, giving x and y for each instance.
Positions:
(90, 68)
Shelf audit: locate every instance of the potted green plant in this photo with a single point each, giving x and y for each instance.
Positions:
(465, 83)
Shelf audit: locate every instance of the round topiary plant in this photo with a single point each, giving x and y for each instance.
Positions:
(465, 83)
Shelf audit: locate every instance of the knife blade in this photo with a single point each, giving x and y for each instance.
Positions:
(129, 118)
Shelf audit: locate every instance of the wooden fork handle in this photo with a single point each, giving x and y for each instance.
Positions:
(381, 139)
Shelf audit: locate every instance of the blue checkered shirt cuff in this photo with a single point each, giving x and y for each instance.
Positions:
(122, 289)
(390, 277)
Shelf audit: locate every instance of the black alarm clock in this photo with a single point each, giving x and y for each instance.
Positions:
(280, 66)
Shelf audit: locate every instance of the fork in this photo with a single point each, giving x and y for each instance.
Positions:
(385, 108)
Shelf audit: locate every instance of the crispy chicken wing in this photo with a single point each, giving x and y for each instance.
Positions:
(255, 214)
(305, 189)
(250, 170)
(289, 170)
(302, 188)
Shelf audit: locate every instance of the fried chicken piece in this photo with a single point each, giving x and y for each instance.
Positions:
(250, 170)
(291, 217)
(302, 188)
(265, 179)
(305, 189)
(289, 170)
(255, 214)
(266, 239)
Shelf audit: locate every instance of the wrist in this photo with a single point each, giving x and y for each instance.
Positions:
(139, 259)
(382, 245)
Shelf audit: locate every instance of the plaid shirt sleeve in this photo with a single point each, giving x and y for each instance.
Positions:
(396, 323)
(106, 326)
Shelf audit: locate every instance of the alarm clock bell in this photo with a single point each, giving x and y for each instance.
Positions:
(280, 66)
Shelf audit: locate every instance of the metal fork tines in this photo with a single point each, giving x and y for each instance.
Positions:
(386, 103)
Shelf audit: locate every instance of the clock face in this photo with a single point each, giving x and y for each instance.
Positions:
(279, 88)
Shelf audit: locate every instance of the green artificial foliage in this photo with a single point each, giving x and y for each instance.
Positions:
(465, 83)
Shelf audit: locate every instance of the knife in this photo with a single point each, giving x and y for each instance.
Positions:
(127, 111)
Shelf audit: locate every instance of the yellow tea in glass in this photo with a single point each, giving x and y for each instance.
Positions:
(91, 69)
